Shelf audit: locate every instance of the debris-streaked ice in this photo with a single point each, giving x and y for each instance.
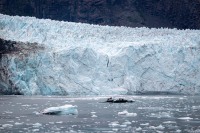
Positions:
(83, 59)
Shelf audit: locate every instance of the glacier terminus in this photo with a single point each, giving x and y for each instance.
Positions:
(65, 58)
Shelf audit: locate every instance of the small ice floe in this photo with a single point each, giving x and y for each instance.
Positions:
(123, 125)
(162, 115)
(114, 124)
(11, 121)
(160, 127)
(178, 131)
(33, 108)
(126, 123)
(61, 110)
(127, 114)
(36, 112)
(159, 131)
(115, 129)
(36, 130)
(66, 101)
(185, 118)
(18, 123)
(196, 131)
(37, 125)
(93, 114)
(25, 105)
(195, 107)
(169, 122)
(7, 125)
(8, 112)
(138, 129)
(59, 122)
(144, 124)
(22, 116)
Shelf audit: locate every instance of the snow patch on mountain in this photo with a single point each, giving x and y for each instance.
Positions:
(83, 59)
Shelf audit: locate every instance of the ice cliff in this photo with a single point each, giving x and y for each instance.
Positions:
(83, 59)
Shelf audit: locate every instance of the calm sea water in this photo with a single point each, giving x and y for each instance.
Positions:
(150, 114)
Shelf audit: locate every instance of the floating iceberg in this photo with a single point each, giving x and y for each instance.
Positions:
(82, 59)
(61, 110)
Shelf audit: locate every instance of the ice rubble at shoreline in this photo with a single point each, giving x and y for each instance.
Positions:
(83, 59)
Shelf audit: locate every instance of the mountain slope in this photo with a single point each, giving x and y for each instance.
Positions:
(182, 14)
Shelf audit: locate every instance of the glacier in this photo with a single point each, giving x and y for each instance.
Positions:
(83, 59)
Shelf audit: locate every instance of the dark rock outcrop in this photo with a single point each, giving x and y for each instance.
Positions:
(14, 48)
(119, 100)
(6, 46)
(134, 13)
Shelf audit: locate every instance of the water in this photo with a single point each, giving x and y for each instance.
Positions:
(151, 114)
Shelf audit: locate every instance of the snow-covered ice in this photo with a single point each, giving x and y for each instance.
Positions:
(61, 110)
(83, 59)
